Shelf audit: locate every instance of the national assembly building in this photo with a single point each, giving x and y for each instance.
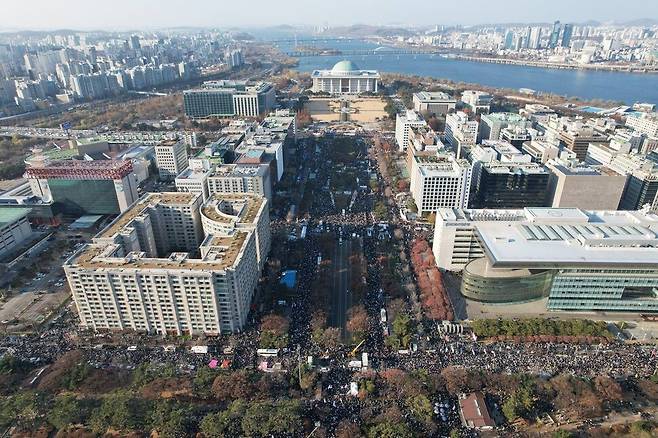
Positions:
(345, 78)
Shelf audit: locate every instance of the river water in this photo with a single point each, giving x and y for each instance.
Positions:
(615, 86)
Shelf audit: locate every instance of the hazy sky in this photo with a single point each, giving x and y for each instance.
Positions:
(143, 14)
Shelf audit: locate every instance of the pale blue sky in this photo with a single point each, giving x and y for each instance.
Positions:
(143, 14)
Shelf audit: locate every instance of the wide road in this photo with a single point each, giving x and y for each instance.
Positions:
(341, 299)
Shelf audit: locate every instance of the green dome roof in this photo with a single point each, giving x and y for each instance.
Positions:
(344, 66)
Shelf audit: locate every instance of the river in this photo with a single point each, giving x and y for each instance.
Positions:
(616, 86)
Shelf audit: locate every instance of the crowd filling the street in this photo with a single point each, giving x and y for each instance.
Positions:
(350, 347)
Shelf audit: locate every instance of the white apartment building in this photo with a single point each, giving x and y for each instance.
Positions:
(171, 159)
(241, 178)
(403, 125)
(152, 270)
(479, 101)
(440, 181)
(460, 131)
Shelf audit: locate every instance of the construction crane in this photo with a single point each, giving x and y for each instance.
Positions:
(357, 348)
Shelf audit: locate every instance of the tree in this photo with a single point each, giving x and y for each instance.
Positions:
(120, 411)
(347, 429)
(232, 386)
(420, 408)
(390, 430)
(225, 423)
(357, 322)
(265, 418)
(66, 410)
(171, 419)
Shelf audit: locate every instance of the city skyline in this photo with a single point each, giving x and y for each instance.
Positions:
(292, 12)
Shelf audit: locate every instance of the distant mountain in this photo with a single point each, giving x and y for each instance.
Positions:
(641, 22)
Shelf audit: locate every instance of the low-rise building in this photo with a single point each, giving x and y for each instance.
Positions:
(492, 124)
(345, 78)
(478, 101)
(434, 102)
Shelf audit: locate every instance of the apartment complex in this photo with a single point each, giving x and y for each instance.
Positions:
(155, 270)
(171, 159)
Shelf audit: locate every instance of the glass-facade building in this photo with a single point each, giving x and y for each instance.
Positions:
(482, 283)
(208, 103)
(632, 290)
(83, 196)
(498, 188)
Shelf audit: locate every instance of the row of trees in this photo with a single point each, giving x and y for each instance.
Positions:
(433, 295)
(540, 327)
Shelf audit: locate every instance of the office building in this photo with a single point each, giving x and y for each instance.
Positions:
(577, 138)
(345, 78)
(503, 177)
(642, 184)
(516, 136)
(555, 35)
(154, 270)
(434, 102)
(535, 38)
(171, 159)
(403, 125)
(492, 124)
(224, 214)
(586, 187)
(14, 229)
(540, 151)
(228, 99)
(478, 101)
(440, 181)
(194, 179)
(241, 178)
(538, 114)
(460, 132)
(644, 123)
(567, 33)
(79, 187)
(579, 259)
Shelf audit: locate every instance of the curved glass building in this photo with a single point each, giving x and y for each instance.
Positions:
(482, 282)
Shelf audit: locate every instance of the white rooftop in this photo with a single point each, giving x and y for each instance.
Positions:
(552, 238)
